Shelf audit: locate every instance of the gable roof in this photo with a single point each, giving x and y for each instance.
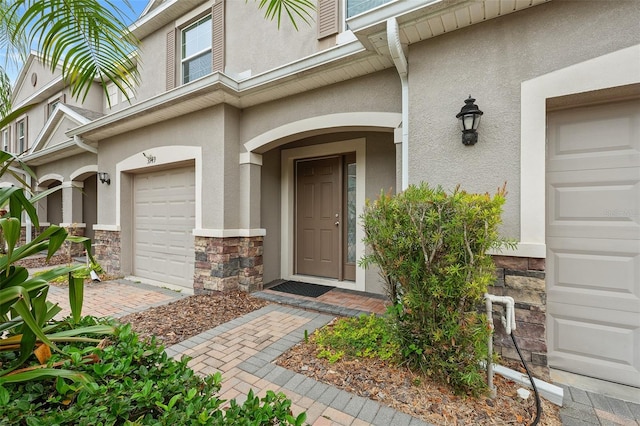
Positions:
(54, 84)
(45, 149)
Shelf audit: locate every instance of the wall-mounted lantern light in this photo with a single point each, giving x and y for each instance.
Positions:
(104, 177)
(469, 117)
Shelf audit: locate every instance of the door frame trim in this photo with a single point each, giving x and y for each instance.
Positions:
(287, 205)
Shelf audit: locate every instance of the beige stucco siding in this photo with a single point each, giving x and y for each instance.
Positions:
(152, 67)
(490, 61)
(379, 92)
(204, 128)
(27, 89)
(65, 167)
(256, 44)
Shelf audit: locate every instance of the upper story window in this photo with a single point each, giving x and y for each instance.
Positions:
(355, 7)
(53, 104)
(21, 135)
(332, 14)
(196, 50)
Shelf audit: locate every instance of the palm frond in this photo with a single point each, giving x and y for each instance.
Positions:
(86, 37)
(294, 9)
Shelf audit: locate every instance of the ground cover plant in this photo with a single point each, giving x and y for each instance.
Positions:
(431, 249)
(133, 381)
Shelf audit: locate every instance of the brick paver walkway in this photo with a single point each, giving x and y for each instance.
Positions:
(114, 298)
(336, 302)
(243, 351)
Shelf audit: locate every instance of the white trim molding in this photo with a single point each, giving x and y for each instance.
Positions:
(90, 169)
(49, 177)
(161, 155)
(287, 183)
(251, 158)
(229, 233)
(323, 124)
(73, 225)
(614, 69)
(110, 228)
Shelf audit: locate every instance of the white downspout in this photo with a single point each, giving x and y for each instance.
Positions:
(78, 141)
(400, 61)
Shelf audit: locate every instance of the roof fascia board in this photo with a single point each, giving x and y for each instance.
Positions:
(205, 84)
(220, 81)
(379, 15)
(304, 64)
(30, 158)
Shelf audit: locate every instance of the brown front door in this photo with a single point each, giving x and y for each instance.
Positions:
(318, 217)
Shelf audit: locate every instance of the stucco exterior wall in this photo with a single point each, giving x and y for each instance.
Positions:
(379, 92)
(152, 66)
(66, 166)
(490, 61)
(204, 128)
(256, 44)
(44, 76)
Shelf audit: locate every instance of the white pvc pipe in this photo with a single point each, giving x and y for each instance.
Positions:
(509, 322)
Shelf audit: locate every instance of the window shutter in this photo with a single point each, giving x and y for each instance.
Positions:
(328, 12)
(217, 43)
(171, 59)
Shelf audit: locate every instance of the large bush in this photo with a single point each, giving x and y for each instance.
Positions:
(135, 383)
(431, 248)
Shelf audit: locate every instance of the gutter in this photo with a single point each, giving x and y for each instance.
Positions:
(400, 61)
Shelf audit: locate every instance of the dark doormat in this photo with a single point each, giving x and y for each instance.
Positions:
(302, 289)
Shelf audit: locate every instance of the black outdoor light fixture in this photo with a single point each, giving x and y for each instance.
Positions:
(104, 177)
(469, 117)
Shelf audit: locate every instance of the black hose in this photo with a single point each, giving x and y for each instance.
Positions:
(533, 384)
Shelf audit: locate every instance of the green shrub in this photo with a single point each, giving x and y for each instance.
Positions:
(135, 383)
(364, 336)
(431, 249)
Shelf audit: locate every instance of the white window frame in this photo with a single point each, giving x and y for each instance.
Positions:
(197, 22)
(21, 141)
(53, 103)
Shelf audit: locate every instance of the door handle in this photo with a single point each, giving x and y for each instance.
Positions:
(337, 223)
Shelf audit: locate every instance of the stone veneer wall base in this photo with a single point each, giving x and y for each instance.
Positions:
(223, 264)
(523, 279)
(107, 251)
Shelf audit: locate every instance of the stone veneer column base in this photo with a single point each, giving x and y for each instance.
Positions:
(523, 279)
(73, 249)
(108, 249)
(223, 264)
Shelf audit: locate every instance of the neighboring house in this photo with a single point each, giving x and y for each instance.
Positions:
(249, 151)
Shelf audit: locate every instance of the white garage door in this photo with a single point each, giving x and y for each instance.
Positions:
(164, 218)
(593, 241)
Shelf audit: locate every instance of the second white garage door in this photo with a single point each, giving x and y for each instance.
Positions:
(593, 241)
(164, 218)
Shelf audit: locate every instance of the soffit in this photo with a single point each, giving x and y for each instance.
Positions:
(61, 151)
(430, 19)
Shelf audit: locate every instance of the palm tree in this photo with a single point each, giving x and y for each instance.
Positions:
(89, 40)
